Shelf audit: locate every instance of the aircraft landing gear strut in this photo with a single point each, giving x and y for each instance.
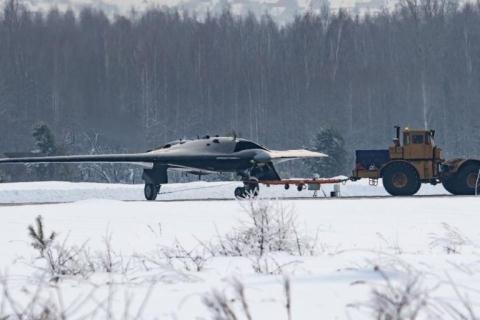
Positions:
(250, 189)
(151, 191)
(154, 178)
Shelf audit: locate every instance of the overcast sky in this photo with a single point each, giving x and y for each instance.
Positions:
(280, 9)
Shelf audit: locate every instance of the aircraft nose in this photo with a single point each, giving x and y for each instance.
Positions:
(262, 156)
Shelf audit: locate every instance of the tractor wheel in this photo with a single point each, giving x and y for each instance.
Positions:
(401, 179)
(151, 191)
(450, 184)
(466, 180)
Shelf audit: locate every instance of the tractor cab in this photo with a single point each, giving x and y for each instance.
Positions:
(416, 145)
(417, 137)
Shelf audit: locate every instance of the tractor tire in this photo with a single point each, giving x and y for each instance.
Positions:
(450, 184)
(151, 191)
(466, 179)
(401, 179)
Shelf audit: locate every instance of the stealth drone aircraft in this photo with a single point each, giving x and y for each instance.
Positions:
(251, 161)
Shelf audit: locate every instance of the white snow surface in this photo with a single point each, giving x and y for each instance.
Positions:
(55, 191)
(354, 236)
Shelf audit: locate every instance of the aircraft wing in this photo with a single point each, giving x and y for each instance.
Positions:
(294, 154)
(192, 170)
(137, 158)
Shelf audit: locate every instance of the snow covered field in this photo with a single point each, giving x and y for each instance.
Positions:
(165, 259)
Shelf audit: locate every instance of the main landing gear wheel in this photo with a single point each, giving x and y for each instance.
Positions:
(151, 191)
(240, 193)
(401, 179)
(250, 190)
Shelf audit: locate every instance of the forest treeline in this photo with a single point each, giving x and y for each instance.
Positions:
(130, 83)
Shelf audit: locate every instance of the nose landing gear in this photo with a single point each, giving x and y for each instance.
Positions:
(151, 191)
(249, 190)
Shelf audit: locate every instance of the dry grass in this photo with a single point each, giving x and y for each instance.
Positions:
(236, 306)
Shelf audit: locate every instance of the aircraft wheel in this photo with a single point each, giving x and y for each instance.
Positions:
(253, 191)
(247, 192)
(151, 191)
(240, 193)
(252, 187)
(401, 179)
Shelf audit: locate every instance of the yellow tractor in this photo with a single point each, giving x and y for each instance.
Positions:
(413, 161)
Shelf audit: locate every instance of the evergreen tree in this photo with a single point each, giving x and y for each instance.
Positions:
(44, 140)
(39, 240)
(330, 142)
(45, 145)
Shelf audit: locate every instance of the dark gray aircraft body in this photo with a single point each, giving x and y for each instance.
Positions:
(249, 160)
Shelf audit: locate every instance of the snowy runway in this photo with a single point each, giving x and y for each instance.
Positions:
(430, 236)
(59, 192)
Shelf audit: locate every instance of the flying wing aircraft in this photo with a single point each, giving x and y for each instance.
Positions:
(249, 160)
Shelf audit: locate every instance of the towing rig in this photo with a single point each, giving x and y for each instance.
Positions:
(406, 164)
(411, 160)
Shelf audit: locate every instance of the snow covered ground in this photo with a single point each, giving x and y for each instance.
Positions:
(429, 243)
(44, 192)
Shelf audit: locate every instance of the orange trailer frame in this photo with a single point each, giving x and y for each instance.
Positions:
(301, 183)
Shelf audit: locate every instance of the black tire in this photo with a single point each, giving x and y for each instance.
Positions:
(401, 179)
(151, 191)
(466, 179)
(240, 193)
(450, 184)
(249, 191)
(253, 192)
(252, 187)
